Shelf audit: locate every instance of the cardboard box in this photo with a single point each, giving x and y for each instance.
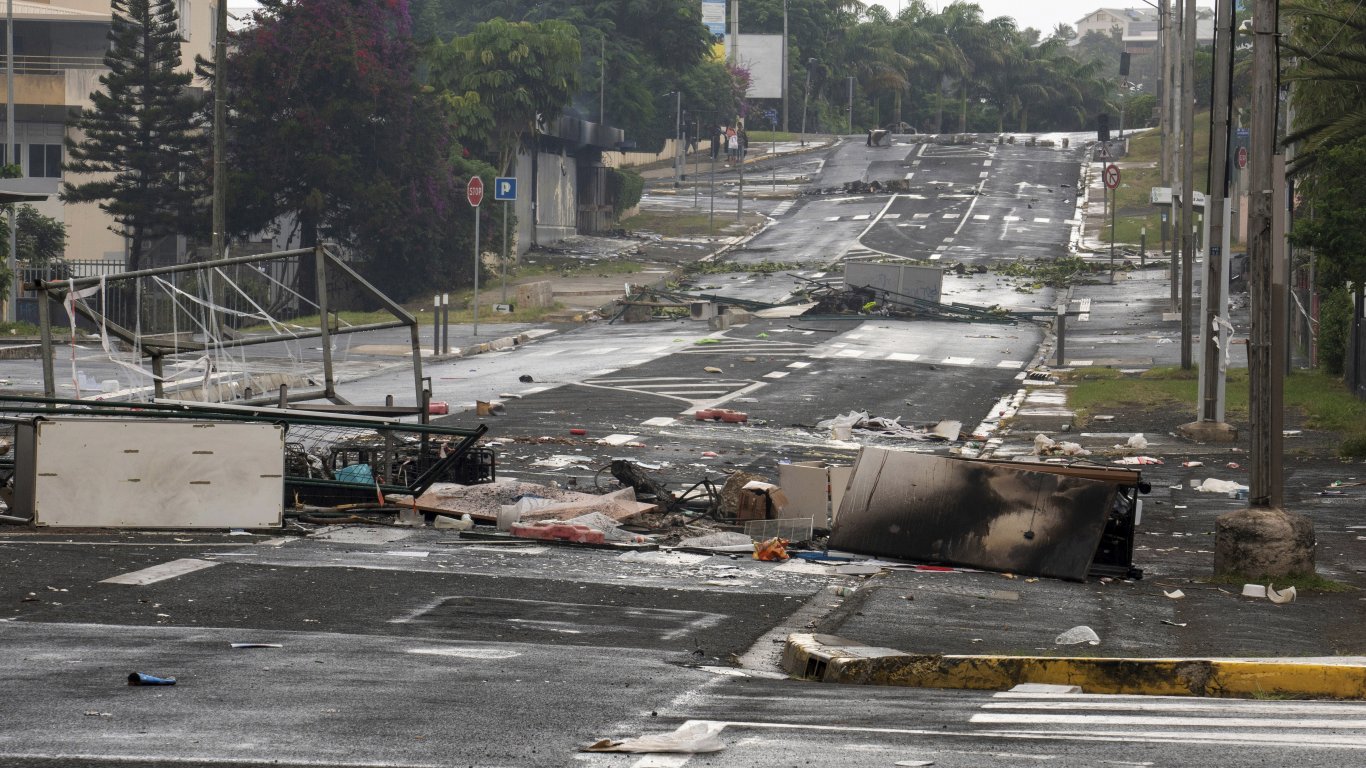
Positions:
(817, 488)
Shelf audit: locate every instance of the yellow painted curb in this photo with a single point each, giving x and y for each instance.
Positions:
(840, 661)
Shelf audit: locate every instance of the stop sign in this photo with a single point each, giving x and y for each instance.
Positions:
(1241, 157)
(474, 191)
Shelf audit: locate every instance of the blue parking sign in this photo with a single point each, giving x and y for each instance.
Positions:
(505, 188)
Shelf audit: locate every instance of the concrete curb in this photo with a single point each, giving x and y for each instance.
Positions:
(829, 659)
(493, 345)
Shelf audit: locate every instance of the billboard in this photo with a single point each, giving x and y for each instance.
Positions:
(714, 16)
(762, 55)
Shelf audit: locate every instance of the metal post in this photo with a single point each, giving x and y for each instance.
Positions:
(45, 327)
(12, 305)
(476, 269)
(1142, 246)
(785, 66)
(445, 323)
(504, 269)
(436, 325)
(1212, 279)
(680, 149)
(806, 96)
(740, 197)
(1174, 145)
(1062, 332)
(220, 133)
(1187, 184)
(850, 127)
(697, 131)
(1114, 194)
(324, 330)
(711, 196)
(602, 78)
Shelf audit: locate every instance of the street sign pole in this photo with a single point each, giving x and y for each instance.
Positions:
(474, 193)
(1112, 184)
(504, 270)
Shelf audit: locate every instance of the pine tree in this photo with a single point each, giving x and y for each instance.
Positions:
(139, 135)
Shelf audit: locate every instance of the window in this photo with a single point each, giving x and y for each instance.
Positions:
(44, 161)
(184, 9)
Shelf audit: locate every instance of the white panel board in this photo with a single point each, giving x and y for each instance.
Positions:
(762, 55)
(925, 283)
(147, 474)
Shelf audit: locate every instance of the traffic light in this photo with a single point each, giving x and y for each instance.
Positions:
(1124, 64)
(1103, 126)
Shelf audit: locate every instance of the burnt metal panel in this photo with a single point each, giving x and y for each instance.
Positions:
(976, 514)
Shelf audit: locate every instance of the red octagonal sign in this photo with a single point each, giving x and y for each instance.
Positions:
(474, 191)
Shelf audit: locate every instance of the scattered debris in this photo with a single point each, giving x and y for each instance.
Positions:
(1215, 485)
(142, 678)
(525, 378)
(1046, 446)
(724, 415)
(464, 523)
(551, 531)
(1254, 590)
(257, 645)
(1137, 460)
(774, 550)
(1024, 518)
(1078, 635)
(1174, 624)
(841, 427)
(1192, 463)
(1286, 595)
(1138, 442)
(711, 368)
(690, 738)
(1175, 594)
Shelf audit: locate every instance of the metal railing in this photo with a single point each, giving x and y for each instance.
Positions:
(54, 65)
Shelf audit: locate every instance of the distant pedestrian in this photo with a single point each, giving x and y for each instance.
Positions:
(718, 139)
(742, 139)
(732, 146)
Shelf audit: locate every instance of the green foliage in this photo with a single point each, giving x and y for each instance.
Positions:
(137, 137)
(1335, 325)
(503, 77)
(624, 187)
(38, 239)
(331, 129)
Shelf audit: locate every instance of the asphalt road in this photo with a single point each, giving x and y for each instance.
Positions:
(417, 648)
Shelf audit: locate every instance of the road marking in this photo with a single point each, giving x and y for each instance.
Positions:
(950, 216)
(488, 654)
(905, 357)
(783, 207)
(534, 390)
(604, 372)
(948, 239)
(662, 761)
(983, 174)
(1041, 221)
(1080, 363)
(1073, 222)
(861, 217)
(659, 421)
(1010, 218)
(981, 217)
(1010, 364)
(798, 364)
(641, 361)
(160, 572)
(920, 215)
(832, 218)
(1084, 309)
(957, 361)
(776, 374)
(850, 353)
(936, 256)
(971, 205)
(1172, 704)
(1053, 718)
(892, 216)
(986, 163)
(910, 175)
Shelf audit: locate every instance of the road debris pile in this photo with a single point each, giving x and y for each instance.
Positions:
(844, 427)
(1028, 518)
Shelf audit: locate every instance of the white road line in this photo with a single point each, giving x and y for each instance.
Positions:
(160, 572)
(534, 390)
(936, 256)
(948, 239)
(892, 216)
(798, 365)
(1080, 363)
(905, 357)
(1265, 723)
(776, 374)
(910, 175)
(604, 372)
(850, 353)
(982, 217)
(983, 174)
(986, 163)
(950, 216)
(1181, 704)
(832, 218)
(1084, 309)
(1041, 221)
(862, 217)
(957, 361)
(641, 361)
(920, 215)
(1010, 218)
(659, 421)
(971, 205)
(662, 761)
(1010, 364)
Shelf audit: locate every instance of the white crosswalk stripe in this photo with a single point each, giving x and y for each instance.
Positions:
(694, 392)
(1087, 717)
(755, 347)
(783, 207)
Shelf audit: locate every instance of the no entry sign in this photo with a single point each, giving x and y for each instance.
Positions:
(474, 191)
(1111, 176)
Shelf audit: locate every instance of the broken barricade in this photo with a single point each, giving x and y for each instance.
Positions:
(142, 678)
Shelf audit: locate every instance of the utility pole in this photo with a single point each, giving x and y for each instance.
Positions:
(1209, 425)
(1187, 182)
(680, 147)
(1174, 26)
(1264, 540)
(1163, 86)
(1263, 364)
(785, 66)
(12, 301)
(806, 96)
(220, 133)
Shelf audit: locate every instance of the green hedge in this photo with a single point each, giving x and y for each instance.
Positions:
(625, 188)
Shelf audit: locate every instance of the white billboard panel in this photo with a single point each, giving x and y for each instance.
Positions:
(762, 55)
(714, 16)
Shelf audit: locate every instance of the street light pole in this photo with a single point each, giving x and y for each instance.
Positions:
(785, 66)
(806, 96)
(850, 128)
(680, 149)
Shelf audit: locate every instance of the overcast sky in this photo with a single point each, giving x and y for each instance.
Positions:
(1043, 16)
